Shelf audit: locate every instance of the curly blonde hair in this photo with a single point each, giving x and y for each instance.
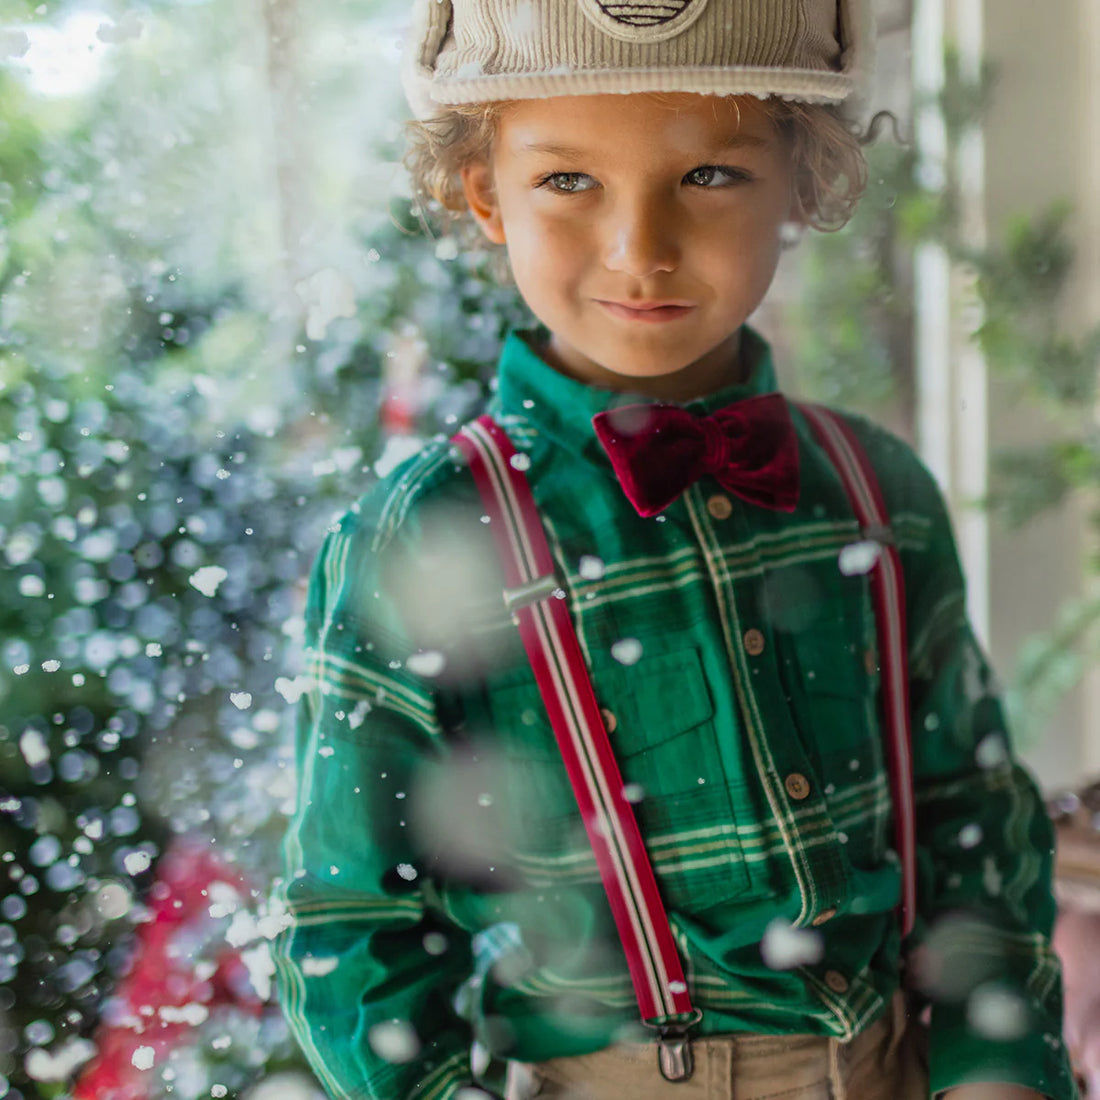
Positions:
(829, 167)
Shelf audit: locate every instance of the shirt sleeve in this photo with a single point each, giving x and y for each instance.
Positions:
(367, 968)
(981, 947)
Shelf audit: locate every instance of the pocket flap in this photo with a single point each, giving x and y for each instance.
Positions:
(658, 698)
(652, 701)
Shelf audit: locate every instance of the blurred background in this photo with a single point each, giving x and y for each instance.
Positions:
(220, 320)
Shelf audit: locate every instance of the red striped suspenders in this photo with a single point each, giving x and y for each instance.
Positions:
(537, 601)
(888, 591)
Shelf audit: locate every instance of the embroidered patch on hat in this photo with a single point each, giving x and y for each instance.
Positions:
(643, 20)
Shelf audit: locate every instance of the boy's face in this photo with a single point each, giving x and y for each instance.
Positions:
(642, 230)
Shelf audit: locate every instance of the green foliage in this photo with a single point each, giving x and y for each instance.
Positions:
(1029, 272)
(1029, 480)
(854, 337)
(18, 154)
(1022, 285)
(1050, 665)
(965, 97)
(852, 323)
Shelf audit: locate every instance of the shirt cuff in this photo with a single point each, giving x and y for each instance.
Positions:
(959, 1055)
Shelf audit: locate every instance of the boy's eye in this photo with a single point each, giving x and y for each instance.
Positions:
(715, 175)
(567, 182)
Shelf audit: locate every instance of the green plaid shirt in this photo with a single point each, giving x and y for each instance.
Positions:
(440, 888)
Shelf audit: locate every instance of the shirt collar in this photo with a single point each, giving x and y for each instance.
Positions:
(562, 408)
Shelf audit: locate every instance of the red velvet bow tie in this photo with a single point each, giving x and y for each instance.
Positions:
(657, 451)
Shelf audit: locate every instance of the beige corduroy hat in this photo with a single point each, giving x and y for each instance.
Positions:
(476, 51)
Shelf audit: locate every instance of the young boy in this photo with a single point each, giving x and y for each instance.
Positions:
(640, 164)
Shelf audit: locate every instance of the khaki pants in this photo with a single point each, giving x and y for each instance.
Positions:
(886, 1061)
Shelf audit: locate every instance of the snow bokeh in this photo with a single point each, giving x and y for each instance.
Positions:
(196, 337)
(785, 947)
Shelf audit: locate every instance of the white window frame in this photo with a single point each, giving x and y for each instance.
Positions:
(952, 427)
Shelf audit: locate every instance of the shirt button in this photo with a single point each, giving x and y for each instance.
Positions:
(798, 786)
(753, 642)
(823, 917)
(610, 722)
(719, 506)
(836, 981)
(870, 661)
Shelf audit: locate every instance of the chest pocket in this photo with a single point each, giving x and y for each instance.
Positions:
(832, 670)
(660, 719)
(837, 709)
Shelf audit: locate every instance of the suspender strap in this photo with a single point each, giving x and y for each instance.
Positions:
(888, 591)
(538, 605)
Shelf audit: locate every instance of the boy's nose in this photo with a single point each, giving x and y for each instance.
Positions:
(643, 240)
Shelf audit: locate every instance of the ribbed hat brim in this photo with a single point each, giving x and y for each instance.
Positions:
(801, 84)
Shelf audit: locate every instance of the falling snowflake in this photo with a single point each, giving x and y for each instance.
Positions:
(327, 294)
(627, 651)
(997, 1013)
(31, 586)
(292, 689)
(207, 579)
(591, 568)
(59, 1064)
(992, 750)
(137, 862)
(143, 1058)
(858, 558)
(319, 967)
(429, 663)
(260, 967)
(435, 943)
(33, 746)
(394, 1041)
(446, 249)
(785, 947)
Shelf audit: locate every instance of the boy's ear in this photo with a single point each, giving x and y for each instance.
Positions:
(481, 198)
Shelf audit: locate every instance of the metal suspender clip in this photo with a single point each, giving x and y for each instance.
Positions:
(675, 1058)
(541, 588)
(674, 1054)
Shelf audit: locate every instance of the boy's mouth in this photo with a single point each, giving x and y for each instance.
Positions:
(647, 311)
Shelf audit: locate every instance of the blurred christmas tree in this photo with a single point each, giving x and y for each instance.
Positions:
(185, 402)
